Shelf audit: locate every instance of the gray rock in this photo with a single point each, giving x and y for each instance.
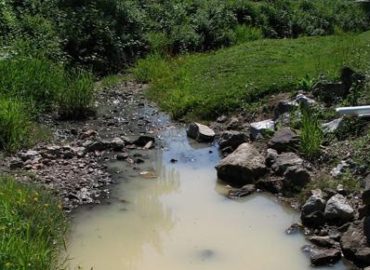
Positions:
(122, 156)
(221, 119)
(338, 210)
(244, 166)
(323, 241)
(312, 212)
(284, 161)
(234, 124)
(29, 155)
(296, 177)
(304, 100)
(332, 126)
(366, 192)
(270, 184)
(200, 133)
(258, 128)
(355, 243)
(284, 140)
(117, 144)
(323, 256)
(232, 139)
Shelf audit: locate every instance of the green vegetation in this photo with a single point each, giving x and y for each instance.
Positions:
(207, 85)
(311, 134)
(32, 225)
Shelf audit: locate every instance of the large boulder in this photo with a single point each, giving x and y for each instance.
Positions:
(312, 212)
(232, 139)
(257, 129)
(355, 243)
(338, 210)
(200, 132)
(244, 166)
(324, 256)
(284, 140)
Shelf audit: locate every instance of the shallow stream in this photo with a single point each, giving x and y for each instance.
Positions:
(175, 216)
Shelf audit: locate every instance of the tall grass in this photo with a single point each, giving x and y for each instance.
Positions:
(32, 225)
(14, 124)
(311, 134)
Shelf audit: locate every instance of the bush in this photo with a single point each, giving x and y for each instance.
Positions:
(14, 124)
(32, 225)
(244, 33)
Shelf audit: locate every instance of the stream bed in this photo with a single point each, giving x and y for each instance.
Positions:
(175, 216)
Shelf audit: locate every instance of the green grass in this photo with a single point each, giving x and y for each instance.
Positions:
(311, 134)
(15, 124)
(207, 85)
(32, 225)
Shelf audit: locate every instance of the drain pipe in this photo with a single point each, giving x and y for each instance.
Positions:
(360, 111)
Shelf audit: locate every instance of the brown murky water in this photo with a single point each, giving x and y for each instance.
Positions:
(181, 220)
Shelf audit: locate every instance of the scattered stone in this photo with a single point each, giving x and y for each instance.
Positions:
(241, 192)
(88, 134)
(294, 228)
(222, 119)
(232, 139)
(15, 163)
(332, 126)
(284, 161)
(122, 156)
(338, 210)
(117, 144)
(304, 100)
(257, 129)
(29, 155)
(270, 184)
(200, 133)
(143, 140)
(244, 166)
(284, 140)
(355, 243)
(149, 145)
(271, 156)
(366, 192)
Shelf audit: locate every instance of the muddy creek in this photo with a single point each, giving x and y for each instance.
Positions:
(175, 216)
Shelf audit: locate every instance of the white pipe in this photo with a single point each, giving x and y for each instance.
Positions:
(360, 111)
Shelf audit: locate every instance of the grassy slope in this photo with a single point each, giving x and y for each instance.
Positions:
(206, 85)
(31, 227)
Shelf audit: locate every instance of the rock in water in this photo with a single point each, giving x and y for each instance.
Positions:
(200, 132)
(338, 210)
(324, 256)
(244, 166)
(312, 212)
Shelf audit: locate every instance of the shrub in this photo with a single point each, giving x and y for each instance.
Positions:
(244, 33)
(311, 134)
(14, 124)
(32, 225)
